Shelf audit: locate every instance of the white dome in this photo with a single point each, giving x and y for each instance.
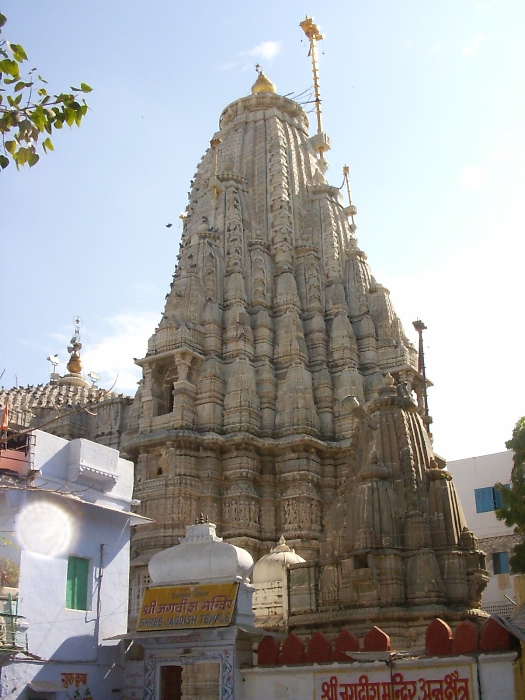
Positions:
(200, 557)
(270, 567)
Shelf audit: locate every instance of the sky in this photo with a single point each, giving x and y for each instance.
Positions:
(423, 100)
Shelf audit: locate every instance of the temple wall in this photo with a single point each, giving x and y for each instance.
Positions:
(478, 677)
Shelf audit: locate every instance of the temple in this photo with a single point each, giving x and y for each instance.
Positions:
(280, 395)
(281, 398)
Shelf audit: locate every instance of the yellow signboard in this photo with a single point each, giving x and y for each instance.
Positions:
(188, 607)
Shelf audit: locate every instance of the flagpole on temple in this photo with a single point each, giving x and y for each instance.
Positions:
(314, 35)
(420, 327)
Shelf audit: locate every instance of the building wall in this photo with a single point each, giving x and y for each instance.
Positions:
(484, 675)
(60, 633)
(73, 502)
(475, 476)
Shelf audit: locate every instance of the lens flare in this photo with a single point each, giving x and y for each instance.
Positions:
(44, 528)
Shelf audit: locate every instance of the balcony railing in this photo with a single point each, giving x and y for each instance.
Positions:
(13, 636)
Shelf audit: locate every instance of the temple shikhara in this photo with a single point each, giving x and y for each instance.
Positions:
(281, 399)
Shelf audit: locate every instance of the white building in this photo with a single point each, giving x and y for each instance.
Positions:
(65, 517)
(475, 478)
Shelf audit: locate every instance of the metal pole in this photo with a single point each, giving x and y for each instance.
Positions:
(420, 327)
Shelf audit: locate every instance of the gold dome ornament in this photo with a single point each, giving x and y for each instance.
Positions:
(75, 364)
(262, 84)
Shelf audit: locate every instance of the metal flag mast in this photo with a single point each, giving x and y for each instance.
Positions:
(420, 327)
(314, 35)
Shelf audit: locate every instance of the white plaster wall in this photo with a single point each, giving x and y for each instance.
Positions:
(56, 632)
(102, 681)
(52, 456)
(479, 472)
(72, 640)
(496, 681)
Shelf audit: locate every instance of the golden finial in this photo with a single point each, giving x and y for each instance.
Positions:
(314, 35)
(262, 84)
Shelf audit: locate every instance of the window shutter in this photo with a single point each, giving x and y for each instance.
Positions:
(70, 584)
(500, 562)
(77, 583)
(484, 499)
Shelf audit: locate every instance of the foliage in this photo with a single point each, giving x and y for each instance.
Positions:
(9, 572)
(513, 510)
(27, 111)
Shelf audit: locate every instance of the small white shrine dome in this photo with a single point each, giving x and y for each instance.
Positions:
(201, 557)
(270, 567)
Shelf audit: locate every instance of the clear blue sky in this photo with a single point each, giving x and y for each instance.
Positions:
(424, 101)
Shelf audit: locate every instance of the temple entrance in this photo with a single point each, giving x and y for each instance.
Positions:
(200, 680)
(170, 683)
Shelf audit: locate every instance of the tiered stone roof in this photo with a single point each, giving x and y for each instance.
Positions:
(69, 410)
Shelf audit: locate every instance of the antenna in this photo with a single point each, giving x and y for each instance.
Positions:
(314, 35)
(53, 359)
(94, 376)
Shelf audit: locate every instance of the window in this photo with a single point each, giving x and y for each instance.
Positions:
(500, 562)
(361, 561)
(77, 583)
(487, 499)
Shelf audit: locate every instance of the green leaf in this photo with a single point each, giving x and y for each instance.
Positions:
(39, 118)
(21, 156)
(70, 116)
(47, 145)
(10, 146)
(3, 20)
(85, 88)
(18, 52)
(4, 160)
(21, 85)
(10, 67)
(33, 159)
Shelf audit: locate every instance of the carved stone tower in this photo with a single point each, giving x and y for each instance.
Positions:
(397, 550)
(273, 320)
